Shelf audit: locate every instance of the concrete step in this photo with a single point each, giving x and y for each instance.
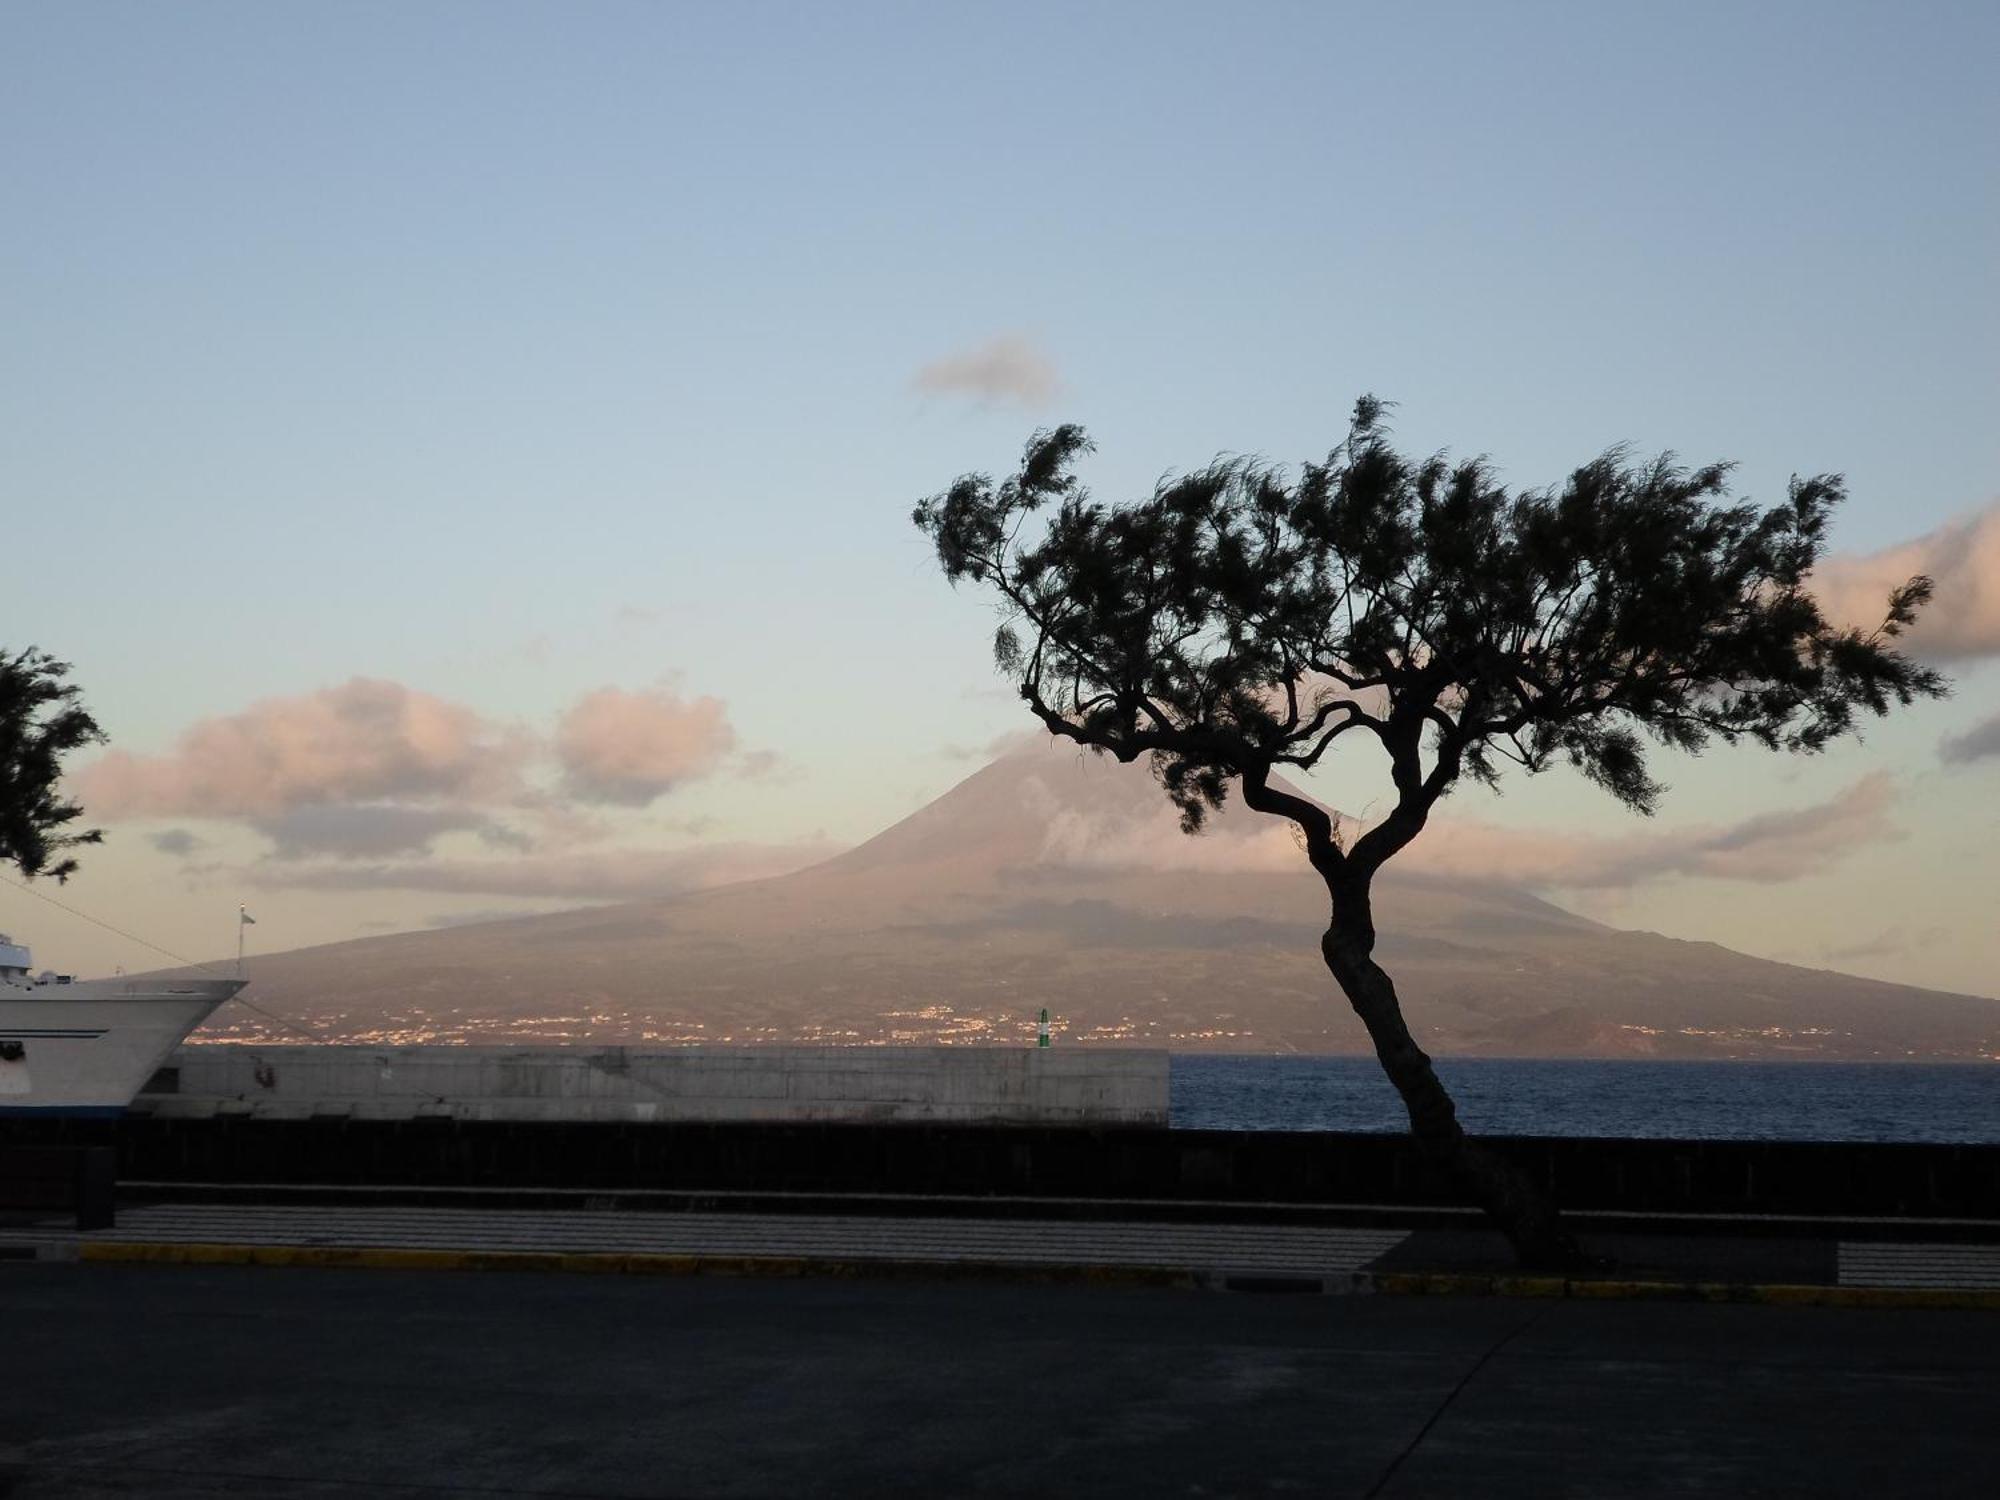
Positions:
(1273, 1249)
(1217, 1251)
(1020, 1206)
(1955, 1266)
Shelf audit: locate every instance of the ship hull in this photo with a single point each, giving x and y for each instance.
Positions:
(86, 1049)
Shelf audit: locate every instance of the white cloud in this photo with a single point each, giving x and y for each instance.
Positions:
(1888, 943)
(1765, 848)
(598, 875)
(1240, 842)
(369, 830)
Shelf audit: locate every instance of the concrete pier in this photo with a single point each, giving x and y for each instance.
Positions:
(960, 1085)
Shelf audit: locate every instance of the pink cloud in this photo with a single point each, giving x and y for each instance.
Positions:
(1962, 556)
(366, 740)
(354, 786)
(1010, 368)
(628, 748)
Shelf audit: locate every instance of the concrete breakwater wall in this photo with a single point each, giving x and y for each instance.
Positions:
(1255, 1169)
(889, 1085)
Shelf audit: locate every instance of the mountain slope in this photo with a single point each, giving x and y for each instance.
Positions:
(1061, 880)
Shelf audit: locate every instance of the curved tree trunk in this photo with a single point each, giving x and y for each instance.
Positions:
(1522, 1211)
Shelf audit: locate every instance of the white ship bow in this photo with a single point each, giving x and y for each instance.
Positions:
(87, 1046)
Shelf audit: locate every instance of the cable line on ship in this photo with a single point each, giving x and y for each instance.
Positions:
(187, 963)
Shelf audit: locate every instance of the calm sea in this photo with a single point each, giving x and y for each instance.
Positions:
(1684, 1100)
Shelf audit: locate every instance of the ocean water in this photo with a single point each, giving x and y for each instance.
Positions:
(1676, 1100)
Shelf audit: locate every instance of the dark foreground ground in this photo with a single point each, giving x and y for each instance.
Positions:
(173, 1382)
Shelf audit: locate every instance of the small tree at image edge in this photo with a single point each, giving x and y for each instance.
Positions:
(41, 721)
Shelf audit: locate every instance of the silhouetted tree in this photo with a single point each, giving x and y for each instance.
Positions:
(1238, 621)
(41, 721)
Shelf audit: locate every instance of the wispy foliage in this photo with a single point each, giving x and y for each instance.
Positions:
(1242, 617)
(41, 721)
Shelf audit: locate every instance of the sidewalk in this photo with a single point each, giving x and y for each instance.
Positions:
(1793, 1267)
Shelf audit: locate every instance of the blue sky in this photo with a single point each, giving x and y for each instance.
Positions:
(512, 351)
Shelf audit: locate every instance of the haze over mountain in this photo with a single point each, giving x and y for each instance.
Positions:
(1052, 878)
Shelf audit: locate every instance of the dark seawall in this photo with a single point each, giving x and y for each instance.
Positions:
(1240, 1168)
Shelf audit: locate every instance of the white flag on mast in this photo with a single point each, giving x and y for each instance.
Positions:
(246, 919)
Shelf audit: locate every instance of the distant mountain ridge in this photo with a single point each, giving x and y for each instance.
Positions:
(1058, 879)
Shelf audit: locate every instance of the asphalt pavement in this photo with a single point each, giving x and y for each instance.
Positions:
(182, 1381)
